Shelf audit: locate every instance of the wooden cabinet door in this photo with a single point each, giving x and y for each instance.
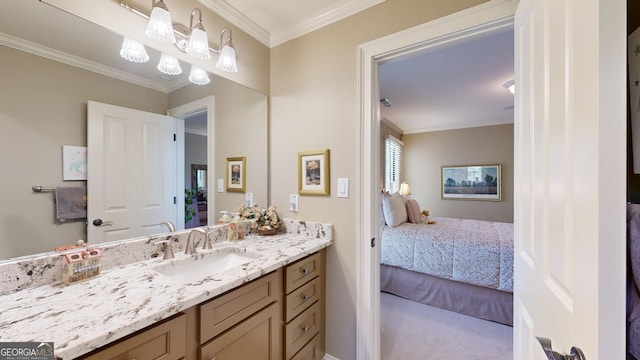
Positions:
(257, 338)
(165, 341)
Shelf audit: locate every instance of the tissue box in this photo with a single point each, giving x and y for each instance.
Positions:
(81, 265)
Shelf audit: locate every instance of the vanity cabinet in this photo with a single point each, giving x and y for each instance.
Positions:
(165, 340)
(304, 308)
(277, 316)
(245, 323)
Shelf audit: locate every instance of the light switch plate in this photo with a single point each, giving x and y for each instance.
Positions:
(220, 185)
(293, 202)
(248, 199)
(343, 187)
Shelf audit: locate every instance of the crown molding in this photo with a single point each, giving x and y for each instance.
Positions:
(238, 19)
(304, 26)
(318, 21)
(72, 60)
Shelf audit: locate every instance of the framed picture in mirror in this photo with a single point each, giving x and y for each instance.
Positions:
(236, 176)
(313, 172)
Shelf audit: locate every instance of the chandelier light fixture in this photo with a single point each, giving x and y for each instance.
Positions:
(192, 40)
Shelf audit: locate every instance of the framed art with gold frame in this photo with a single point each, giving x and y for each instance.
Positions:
(236, 174)
(313, 172)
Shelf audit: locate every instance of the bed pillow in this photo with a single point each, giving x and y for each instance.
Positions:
(413, 211)
(394, 209)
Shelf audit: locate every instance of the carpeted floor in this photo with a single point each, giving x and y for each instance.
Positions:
(413, 331)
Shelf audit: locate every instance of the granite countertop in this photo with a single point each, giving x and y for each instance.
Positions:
(123, 299)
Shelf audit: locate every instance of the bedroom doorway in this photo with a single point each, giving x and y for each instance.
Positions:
(594, 299)
(448, 106)
(475, 22)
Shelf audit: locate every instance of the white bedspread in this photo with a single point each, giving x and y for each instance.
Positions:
(470, 251)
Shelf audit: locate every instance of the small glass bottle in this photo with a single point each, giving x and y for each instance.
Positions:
(225, 218)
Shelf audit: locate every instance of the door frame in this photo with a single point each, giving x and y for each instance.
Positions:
(180, 112)
(493, 16)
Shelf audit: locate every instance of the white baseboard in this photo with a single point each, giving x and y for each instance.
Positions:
(329, 357)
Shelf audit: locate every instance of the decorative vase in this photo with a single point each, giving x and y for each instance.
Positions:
(266, 232)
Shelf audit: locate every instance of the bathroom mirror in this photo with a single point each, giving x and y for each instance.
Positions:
(48, 74)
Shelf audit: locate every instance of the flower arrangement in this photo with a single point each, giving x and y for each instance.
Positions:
(261, 219)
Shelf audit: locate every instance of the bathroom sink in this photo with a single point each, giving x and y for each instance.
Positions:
(202, 265)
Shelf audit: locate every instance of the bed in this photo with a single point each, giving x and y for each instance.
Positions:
(461, 265)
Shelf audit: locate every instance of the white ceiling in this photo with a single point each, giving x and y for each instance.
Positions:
(455, 87)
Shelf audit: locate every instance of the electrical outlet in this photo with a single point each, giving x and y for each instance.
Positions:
(293, 202)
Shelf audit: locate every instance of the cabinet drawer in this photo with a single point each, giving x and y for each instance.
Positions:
(302, 329)
(166, 341)
(311, 351)
(301, 298)
(302, 271)
(228, 309)
(257, 338)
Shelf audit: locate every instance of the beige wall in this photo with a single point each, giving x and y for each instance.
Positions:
(195, 153)
(425, 153)
(314, 106)
(240, 131)
(43, 106)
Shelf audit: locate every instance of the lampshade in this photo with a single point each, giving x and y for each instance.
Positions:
(404, 189)
(198, 46)
(227, 59)
(511, 86)
(133, 51)
(169, 65)
(198, 76)
(160, 26)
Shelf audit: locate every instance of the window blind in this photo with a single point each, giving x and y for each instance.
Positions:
(393, 164)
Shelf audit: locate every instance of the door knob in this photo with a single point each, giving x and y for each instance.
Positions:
(575, 354)
(99, 222)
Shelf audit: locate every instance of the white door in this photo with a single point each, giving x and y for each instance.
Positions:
(131, 168)
(570, 151)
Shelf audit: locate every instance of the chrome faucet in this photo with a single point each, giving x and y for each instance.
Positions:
(166, 248)
(207, 241)
(190, 249)
(169, 226)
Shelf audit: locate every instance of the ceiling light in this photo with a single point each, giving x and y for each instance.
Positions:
(198, 46)
(169, 65)
(193, 40)
(227, 59)
(133, 51)
(511, 86)
(386, 102)
(198, 76)
(160, 26)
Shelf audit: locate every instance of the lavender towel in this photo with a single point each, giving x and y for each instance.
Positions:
(71, 203)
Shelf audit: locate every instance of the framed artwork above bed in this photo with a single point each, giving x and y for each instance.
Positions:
(471, 182)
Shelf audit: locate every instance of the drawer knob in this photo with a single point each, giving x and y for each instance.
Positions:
(305, 329)
(305, 297)
(305, 271)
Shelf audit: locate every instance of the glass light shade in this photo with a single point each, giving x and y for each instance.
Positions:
(169, 65)
(227, 59)
(404, 189)
(198, 76)
(133, 51)
(198, 46)
(511, 86)
(160, 27)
